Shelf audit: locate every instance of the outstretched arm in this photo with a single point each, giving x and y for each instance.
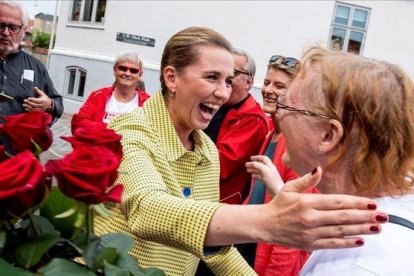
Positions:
(262, 168)
(295, 219)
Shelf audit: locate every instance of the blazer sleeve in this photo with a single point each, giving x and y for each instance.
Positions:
(239, 143)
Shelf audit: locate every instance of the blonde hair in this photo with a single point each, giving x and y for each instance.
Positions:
(374, 101)
(278, 65)
(181, 49)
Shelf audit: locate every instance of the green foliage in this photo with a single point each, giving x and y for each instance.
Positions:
(41, 40)
(37, 247)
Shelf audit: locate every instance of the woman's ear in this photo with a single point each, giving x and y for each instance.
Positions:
(332, 136)
(170, 78)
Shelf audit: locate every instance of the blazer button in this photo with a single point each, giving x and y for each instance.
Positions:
(187, 191)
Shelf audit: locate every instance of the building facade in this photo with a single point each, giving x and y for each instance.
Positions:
(90, 34)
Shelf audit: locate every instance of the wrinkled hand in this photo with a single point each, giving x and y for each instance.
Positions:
(315, 221)
(262, 168)
(41, 102)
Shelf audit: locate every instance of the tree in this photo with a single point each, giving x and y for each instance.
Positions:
(41, 40)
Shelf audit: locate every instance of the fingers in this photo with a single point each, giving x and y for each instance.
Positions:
(39, 92)
(305, 182)
(342, 236)
(42, 102)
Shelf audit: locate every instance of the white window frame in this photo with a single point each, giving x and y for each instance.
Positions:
(78, 73)
(349, 28)
(82, 11)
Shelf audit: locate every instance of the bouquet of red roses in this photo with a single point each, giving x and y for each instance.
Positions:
(48, 230)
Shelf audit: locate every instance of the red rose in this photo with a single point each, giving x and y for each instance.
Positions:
(87, 174)
(22, 184)
(96, 133)
(23, 128)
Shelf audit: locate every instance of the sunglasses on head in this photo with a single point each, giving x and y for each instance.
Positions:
(130, 69)
(288, 61)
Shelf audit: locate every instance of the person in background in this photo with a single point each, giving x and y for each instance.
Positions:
(25, 84)
(170, 172)
(354, 118)
(106, 103)
(273, 259)
(238, 129)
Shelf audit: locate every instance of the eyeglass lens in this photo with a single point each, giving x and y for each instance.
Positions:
(288, 61)
(12, 28)
(125, 68)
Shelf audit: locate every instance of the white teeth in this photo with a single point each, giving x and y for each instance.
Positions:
(212, 106)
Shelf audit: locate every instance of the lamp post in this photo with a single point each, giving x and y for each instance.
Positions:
(52, 35)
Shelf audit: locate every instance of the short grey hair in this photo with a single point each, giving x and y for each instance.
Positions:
(251, 65)
(128, 57)
(17, 5)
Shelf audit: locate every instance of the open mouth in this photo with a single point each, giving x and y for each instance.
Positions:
(209, 109)
(270, 99)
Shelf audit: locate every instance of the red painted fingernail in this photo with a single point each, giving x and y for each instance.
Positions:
(372, 206)
(381, 218)
(374, 228)
(314, 171)
(359, 242)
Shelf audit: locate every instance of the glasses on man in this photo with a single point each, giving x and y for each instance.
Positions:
(14, 29)
(280, 104)
(288, 61)
(238, 72)
(130, 69)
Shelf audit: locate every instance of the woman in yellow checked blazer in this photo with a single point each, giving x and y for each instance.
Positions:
(170, 171)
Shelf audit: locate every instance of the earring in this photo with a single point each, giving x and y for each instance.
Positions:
(171, 95)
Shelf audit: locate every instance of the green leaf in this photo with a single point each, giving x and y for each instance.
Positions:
(153, 271)
(44, 225)
(90, 253)
(2, 239)
(128, 262)
(122, 242)
(30, 253)
(8, 269)
(64, 267)
(107, 254)
(57, 203)
(102, 210)
(111, 270)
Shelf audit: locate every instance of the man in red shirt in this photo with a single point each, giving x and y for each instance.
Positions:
(238, 129)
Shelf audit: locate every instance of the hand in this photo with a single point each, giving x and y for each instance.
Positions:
(41, 102)
(262, 168)
(315, 221)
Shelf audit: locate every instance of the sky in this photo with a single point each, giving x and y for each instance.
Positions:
(34, 7)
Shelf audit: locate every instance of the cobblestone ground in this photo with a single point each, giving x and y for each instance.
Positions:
(59, 146)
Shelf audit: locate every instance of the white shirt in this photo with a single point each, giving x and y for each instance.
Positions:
(389, 253)
(114, 108)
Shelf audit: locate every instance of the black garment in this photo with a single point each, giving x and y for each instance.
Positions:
(213, 128)
(19, 74)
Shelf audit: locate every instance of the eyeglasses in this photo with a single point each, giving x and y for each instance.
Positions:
(288, 61)
(238, 72)
(130, 69)
(280, 105)
(14, 29)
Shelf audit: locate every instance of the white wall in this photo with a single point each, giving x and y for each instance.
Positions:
(263, 28)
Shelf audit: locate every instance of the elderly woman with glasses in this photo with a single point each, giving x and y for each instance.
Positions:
(273, 259)
(354, 118)
(123, 96)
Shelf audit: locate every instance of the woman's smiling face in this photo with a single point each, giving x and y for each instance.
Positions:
(196, 93)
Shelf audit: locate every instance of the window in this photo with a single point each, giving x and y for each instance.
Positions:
(88, 11)
(75, 82)
(349, 27)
